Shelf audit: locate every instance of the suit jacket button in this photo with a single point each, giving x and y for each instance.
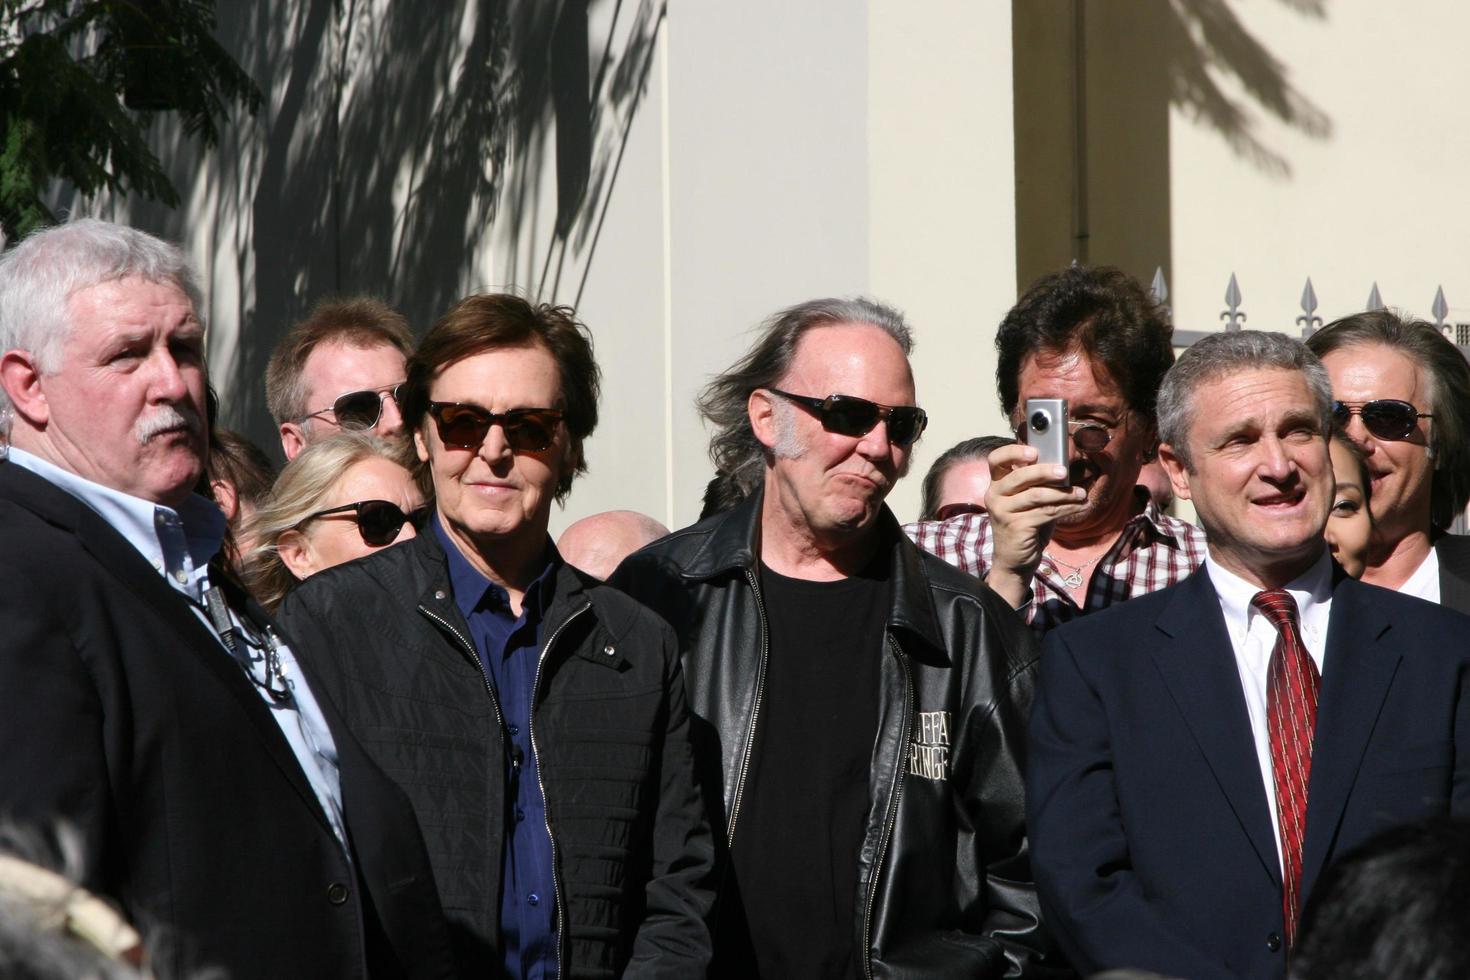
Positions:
(336, 893)
(1273, 942)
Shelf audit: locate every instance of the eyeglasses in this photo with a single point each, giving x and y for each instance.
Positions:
(527, 430)
(358, 410)
(1090, 437)
(955, 510)
(378, 521)
(1386, 418)
(849, 415)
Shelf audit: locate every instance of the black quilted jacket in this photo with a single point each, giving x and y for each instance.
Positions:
(632, 846)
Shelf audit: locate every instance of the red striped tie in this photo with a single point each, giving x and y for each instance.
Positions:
(1291, 717)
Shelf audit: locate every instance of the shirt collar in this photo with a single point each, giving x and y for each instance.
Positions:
(473, 590)
(178, 543)
(1312, 591)
(1154, 517)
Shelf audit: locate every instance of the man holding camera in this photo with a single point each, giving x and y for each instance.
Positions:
(1094, 338)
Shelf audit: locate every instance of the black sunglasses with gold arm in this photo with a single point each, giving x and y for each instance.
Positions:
(849, 415)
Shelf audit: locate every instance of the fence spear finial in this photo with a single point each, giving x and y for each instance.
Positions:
(1232, 316)
(1375, 302)
(1309, 319)
(1159, 289)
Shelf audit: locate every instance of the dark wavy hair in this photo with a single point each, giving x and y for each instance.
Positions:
(1449, 394)
(738, 455)
(1101, 311)
(1391, 909)
(495, 321)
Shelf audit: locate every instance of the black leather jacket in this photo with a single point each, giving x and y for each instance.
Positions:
(632, 847)
(944, 870)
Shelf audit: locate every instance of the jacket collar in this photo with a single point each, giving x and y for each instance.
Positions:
(429, 588)
(733, 545)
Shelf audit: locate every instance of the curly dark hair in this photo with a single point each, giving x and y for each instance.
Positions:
(1101, 311)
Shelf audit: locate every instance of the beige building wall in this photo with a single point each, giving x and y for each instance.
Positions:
(788, 151)
(742, 157)
(1365, 182)
(1275, 140)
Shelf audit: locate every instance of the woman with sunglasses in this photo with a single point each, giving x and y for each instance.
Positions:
(343, 497)
(1402, 393)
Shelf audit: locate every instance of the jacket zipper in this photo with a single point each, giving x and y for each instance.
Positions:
(760, 687)
(545, 800)
(469, 648)
(892, 816)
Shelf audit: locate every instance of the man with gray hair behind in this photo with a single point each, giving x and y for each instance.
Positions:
(1401, 392)
(858, 702)
(144, 700)
(1199, 755)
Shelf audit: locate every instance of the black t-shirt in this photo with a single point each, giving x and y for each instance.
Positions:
(806, 799)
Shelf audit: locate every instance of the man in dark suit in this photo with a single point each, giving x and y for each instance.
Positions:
(144, 702)
(1200, 754)
(1402, 394)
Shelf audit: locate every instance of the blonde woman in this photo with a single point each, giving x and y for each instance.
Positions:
(342, 498)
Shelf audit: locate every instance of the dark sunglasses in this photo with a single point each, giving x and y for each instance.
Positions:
(527, 430)
(378, 521)
(359, 410)
(1386, 418)
(849, 415)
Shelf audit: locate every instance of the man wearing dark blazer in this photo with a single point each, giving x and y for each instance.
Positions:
(1198, 755)
(1401, 391)
(147, 708)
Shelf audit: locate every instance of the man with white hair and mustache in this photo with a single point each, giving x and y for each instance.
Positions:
(144, 700)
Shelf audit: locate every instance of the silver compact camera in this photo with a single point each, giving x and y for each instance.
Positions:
(1045, 429)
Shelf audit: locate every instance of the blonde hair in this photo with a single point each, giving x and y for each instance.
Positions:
(299, 491)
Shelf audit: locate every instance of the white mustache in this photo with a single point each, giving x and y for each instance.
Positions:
(167, 419)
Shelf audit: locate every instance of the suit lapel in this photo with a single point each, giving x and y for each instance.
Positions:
(1358, 669)
(1197, 663)
(132, 572)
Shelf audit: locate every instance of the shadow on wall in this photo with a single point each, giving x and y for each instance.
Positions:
(1094, 83)
(404, 150)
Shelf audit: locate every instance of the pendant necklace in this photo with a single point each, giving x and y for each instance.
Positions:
(1073, 579)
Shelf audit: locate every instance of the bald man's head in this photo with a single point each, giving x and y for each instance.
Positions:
(599, 543)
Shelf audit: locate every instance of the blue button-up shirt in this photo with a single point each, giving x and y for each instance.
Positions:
(510, 651)
(179, 545)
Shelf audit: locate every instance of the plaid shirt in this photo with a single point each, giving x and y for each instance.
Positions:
(1153, 552)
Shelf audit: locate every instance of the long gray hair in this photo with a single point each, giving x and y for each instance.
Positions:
(738, 456)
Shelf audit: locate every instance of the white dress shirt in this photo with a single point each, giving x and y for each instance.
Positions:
(1253, 637)
(1424, 583)
(179, 545)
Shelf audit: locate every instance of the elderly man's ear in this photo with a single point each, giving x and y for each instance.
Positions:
(22, 383)
(761, 408)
